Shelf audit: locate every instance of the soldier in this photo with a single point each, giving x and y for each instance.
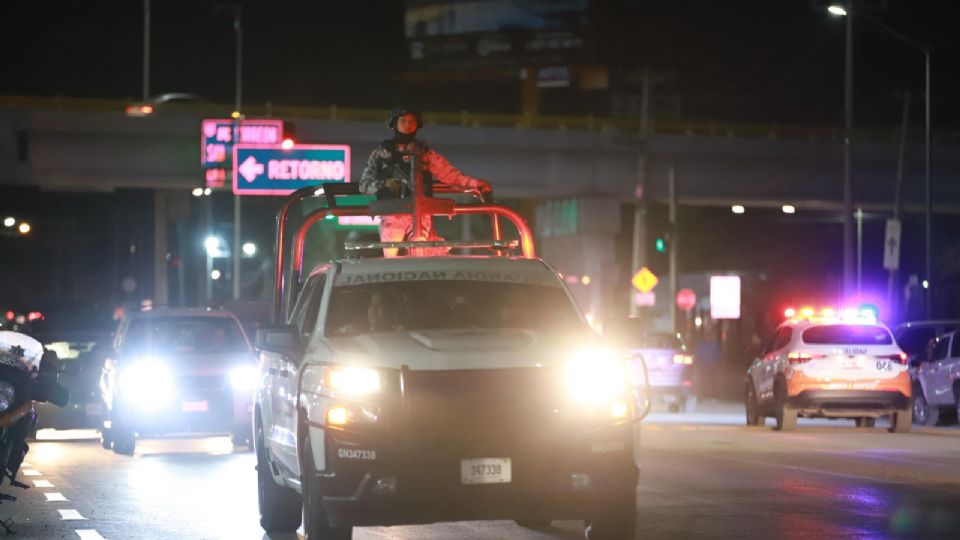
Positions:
(387, 175)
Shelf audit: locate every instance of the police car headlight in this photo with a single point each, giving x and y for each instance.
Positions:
(347, 381)
(596, 376)
(243, 377)
(336, 395)
(148, 383)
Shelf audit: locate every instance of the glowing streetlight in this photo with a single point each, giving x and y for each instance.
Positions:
(737, 209)
(249, 249)
(197, 192)
(9, 221)
(287, 144)
(789, 209)
(215, 275)
(837, 10)
(24, 228)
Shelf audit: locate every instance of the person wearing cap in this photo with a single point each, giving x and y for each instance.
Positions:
(387, 175)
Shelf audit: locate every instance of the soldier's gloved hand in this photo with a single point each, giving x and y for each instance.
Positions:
(392, 184)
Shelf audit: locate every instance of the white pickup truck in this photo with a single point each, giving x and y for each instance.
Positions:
(425, 389)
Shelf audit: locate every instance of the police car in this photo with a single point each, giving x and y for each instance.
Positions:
(830, 364)
(423, 389)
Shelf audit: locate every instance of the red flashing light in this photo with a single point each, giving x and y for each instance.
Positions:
(287, 144)
(34, 316)
(789, 313)
(899, 358)
(11, 315)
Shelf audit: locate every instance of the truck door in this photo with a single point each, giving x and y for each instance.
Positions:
(935, 373)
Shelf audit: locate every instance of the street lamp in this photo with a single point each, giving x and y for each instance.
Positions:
(9, 221)
(928, 141)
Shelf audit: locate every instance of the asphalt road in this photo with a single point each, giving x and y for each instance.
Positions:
(704, 475)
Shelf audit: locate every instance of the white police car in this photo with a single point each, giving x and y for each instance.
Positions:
(416, 390)
(831, 364)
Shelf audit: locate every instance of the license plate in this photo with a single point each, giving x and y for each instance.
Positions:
(194, 406)
(485, 471)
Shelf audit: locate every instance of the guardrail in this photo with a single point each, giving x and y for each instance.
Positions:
(624, 126)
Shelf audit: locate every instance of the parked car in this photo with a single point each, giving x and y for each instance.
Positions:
(175, 371)
(913, 337)
(936, 387)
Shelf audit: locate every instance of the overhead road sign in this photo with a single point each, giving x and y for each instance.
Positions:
(217, 138)
(272, 170)
(891, 245)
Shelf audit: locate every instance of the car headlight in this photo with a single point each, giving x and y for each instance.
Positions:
(597, 380)
(347, 381)
(148, 383)
(244, 377)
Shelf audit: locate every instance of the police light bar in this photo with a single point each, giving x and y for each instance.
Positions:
(858, 315)
(463, 244)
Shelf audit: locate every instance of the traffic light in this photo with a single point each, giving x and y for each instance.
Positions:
(660, 244)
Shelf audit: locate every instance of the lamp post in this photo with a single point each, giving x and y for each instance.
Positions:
(848, 12)
(236, 11)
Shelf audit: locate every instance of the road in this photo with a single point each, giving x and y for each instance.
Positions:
(704, 476)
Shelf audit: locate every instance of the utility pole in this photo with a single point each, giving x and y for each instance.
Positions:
(146, 51)
(674, 244)
(892, 276)
(238, 101)
(640, 207)
(847, 181)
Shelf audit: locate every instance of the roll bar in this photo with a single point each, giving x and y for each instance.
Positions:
(417, 205)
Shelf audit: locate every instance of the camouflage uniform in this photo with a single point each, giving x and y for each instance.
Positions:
(392, 160)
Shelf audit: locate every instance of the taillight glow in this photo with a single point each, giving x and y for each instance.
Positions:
(800, 357)
(682, 359)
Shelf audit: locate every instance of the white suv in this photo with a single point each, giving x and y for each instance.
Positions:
(937, 385)
(830, 366)
(415, 390)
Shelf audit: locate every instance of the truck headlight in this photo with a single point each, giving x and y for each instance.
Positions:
(597, 380)
(148, 383)
(330, 394)
(244, 377)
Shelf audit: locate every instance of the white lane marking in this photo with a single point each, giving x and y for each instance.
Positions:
(42, 483)
(53, 496)
(89, 534)
(70, 514)
(32, 472)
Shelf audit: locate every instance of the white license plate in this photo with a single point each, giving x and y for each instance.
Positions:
(194, 406)
(485, 471)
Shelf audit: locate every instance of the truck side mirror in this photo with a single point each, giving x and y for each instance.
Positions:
(278, 338)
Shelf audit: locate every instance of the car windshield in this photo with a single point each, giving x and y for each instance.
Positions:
(847, 334)
(421, 305)
(185, 335)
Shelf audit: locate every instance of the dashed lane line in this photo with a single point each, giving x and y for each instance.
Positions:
(42, 483)
(32, 472)
(53, 496)
(89, 534)
(70, 514)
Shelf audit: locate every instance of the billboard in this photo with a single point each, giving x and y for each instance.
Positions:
(494, 32)
(272, 170)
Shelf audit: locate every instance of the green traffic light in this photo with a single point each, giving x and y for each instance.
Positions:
(661, 245)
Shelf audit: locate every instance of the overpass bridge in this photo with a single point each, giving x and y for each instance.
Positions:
(92, 145)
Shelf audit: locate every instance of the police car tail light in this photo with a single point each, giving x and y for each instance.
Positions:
(685, 359)
(900, 358)
(801, 357)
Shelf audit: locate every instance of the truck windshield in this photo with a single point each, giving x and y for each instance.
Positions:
(847, 334)
(421, 305)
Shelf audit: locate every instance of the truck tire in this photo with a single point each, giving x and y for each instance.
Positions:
(124, 440)
(279, 505)
(901, 421)
(752, 406)
(924, 414)
(315, 524)
(786, 415)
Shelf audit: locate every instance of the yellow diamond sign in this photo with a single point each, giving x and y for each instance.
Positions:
(644, 280)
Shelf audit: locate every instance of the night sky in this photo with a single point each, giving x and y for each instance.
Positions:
(739, 60)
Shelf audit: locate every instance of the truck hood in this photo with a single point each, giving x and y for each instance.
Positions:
(454, 349)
